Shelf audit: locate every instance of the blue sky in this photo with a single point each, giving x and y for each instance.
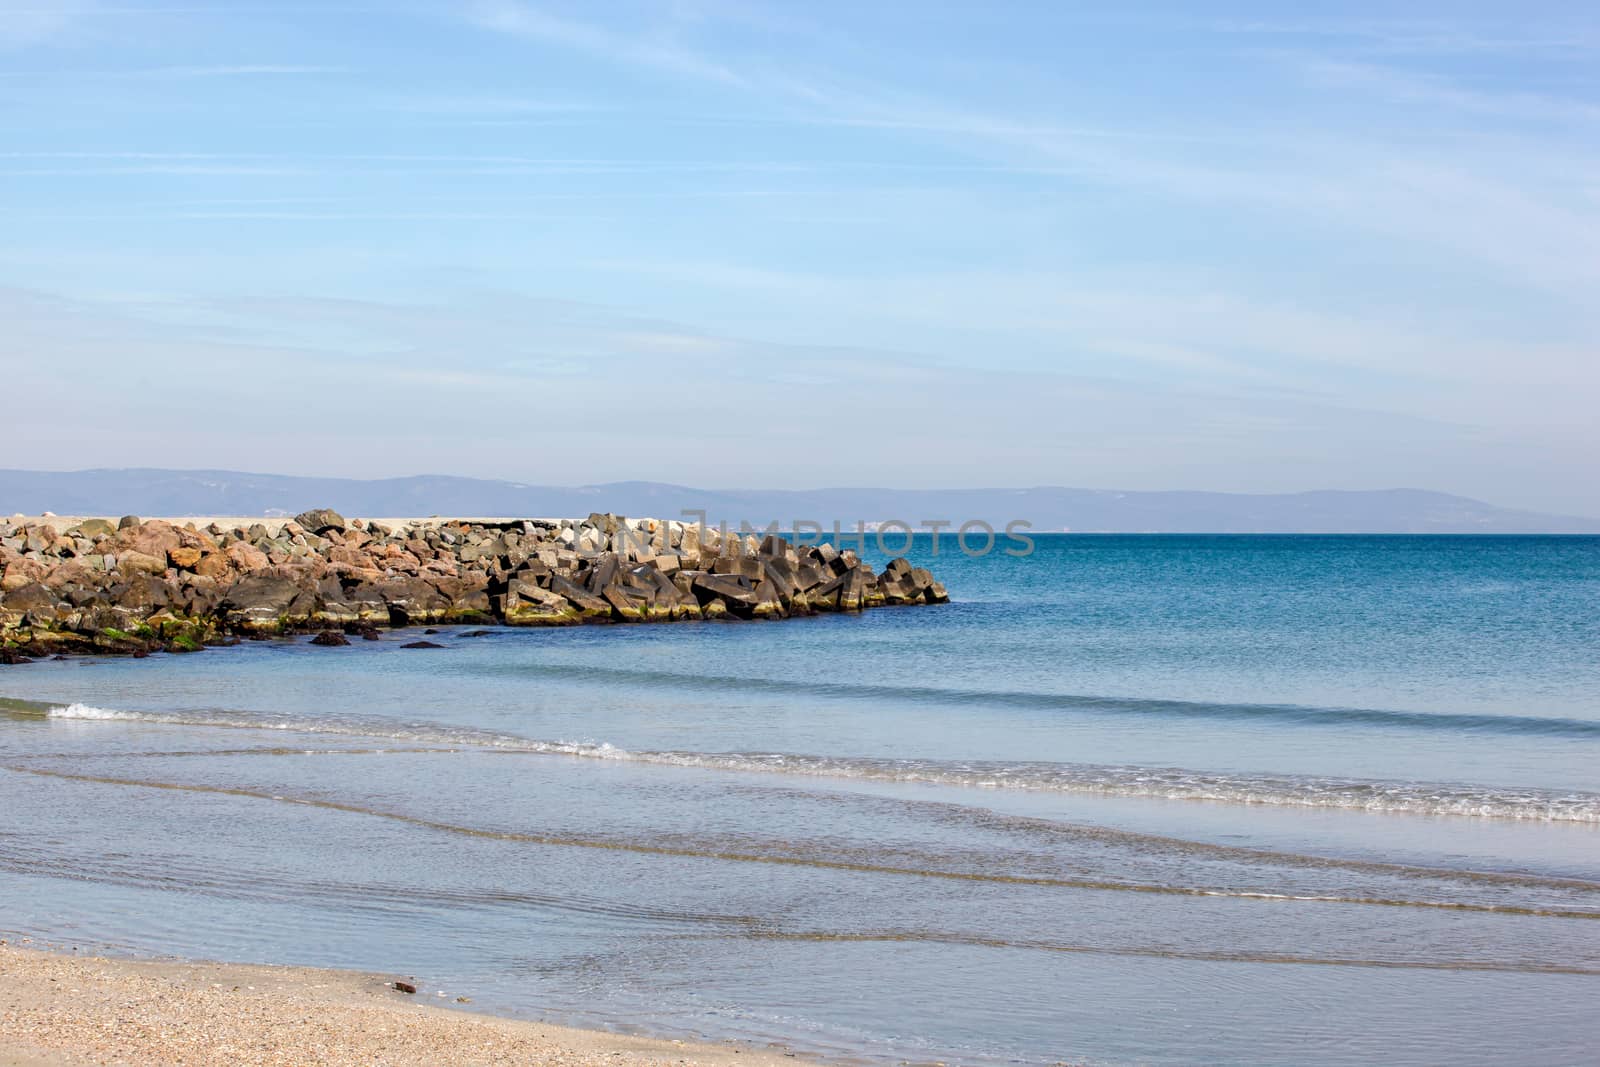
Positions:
(1225, 246)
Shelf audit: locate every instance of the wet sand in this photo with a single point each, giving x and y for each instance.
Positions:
(60, 1008)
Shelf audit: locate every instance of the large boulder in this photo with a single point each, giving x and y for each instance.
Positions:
(364, 598)
(412, 600)
(153, 538)
(216, 566)
(142, 594)
(468, 596)
(74, 579)
(134, 562)
(527, 604)
(261, 603)
(584, 602)
(332, 607)
(781, 573)
(184, 558)
(742, 566)
(31, 605)
(22, 571)
(730, 590)
(825, 597)
(198, 595)
(319, 520)
(93, 529)
(627, 606)
(853, 588)
(768, 604)
(351, 558)
(247, 557)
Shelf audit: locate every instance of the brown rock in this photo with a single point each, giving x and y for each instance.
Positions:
(71, 572)
(184, 558)
(263, 604)
(153, 538)
(247, 557)
(199, 595)
(319, 519)
(23, 571)
(365, 599)
(93, 528)
(350, 557)
(411, 600)
(133, 562)
(143, 593)
(216, 565)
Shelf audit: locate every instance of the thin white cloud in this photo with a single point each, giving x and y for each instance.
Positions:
(489, 105)
(1405, 87)
(174, 73)
(523, 20)
(547, 356)
(118, 162)
(196, 170)
(22, 27)
(1422, 37)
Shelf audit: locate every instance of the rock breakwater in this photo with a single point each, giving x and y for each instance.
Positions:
(137, 586)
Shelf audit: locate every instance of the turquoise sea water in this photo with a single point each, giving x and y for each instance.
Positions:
(1126, 800)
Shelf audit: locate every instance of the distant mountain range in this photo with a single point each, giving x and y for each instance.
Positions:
(1048, 508)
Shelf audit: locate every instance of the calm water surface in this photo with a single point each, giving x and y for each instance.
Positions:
(1127, 800)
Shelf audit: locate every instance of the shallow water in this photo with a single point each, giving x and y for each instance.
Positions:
(1127, 800)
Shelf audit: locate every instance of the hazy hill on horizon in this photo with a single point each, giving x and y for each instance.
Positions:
(148, 491)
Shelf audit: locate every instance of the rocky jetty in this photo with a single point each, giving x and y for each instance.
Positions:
(140, 586)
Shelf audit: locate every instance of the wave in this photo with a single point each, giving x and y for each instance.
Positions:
(726, 851)
(1304, 714)
(1159, 783)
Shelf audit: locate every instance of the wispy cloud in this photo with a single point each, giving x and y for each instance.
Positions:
(548, 356)
(21, 27)
(175, 73)
(1424, 37)
(1432, 90)
(658, 52)
(490, 105)
(111, 162)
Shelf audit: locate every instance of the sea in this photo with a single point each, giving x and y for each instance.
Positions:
(1125, 800)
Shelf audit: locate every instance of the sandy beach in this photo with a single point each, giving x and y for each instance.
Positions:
(60, 1009)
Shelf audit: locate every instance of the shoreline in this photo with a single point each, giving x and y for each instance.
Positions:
(62, 1009)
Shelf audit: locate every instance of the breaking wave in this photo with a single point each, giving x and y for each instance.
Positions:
(1161, 783)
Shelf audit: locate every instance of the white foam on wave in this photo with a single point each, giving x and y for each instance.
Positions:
(95, 714)
(1417, 798)
(86, 711)
(1380, 797)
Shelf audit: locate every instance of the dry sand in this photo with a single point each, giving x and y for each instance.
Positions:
(59, 1008)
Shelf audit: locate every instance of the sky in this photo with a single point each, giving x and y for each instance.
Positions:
(1241, 247)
